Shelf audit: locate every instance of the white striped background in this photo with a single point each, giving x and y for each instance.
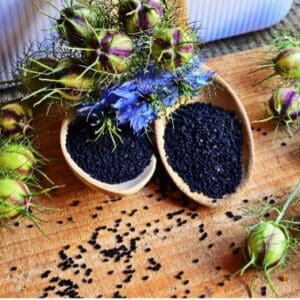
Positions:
(20, 23)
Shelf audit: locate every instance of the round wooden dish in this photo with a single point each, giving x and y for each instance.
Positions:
(224, 97)
(124, 188)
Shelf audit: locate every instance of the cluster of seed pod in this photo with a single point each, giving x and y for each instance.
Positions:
(18, 161)
(284, 105)
(104, 51)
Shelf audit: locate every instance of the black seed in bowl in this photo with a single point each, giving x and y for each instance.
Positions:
(203, 144)
(100, 160)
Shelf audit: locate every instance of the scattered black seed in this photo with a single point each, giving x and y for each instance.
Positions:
(237, 218)
(185, 282)
(187, 291)
(54, 279)
(170, 215)
(283, 144)
(75, 203)
(128, 278)
(66, 247)
(272, 201)
(14, 268)
(145, 207)
(195, 261)
(29, 225)
(203, 236)
(210, 245)
(110, 272)
(150, 195)
(263, 291)
(179, 275)
(218, 268)
(98, 159)
(245, 200)
(219, 232)
(99, 207)
(229, 214)
(70, 219)
(264, 133)
(267, 215)
(45, 274)
(49, 288)
(60, 222)
(265, 198)
(173, 296)
(148, 224)
(144, 278)
(232, 244)
(201, 296)
(16, 224)
(258, 129)
(147, 249)
(221, 283)
(203, 145)
(94, 216)
(132, 212)
(45, 295)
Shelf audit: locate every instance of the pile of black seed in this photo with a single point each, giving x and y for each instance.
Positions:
(98, 157)
(203, 144)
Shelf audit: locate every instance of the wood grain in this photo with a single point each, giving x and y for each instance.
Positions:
(162, 241)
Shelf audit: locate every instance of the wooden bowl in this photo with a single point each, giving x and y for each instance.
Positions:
(121, 189)
(224, 97)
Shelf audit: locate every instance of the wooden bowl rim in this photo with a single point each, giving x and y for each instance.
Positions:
(200, 197)
(121, 189)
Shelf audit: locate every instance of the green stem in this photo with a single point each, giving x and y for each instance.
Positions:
(289, 201)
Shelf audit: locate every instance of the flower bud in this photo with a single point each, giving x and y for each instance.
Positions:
(172, 48)
(140, 15)
(284, 104)
(112, 51)
(76, 23)
(70, 84)
(37, 70)
(14, 120)
(18, 159)
(14, 196)
(287, 63)
(266, 245)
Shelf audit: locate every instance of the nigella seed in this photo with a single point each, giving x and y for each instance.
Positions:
(45, 274)
(97, 158)
(263, 291)
(203, 144)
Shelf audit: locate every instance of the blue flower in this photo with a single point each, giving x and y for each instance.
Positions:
(141, 116)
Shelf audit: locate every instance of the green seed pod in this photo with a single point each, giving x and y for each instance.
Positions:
(71, 85)
(267, 245)
(18, 159)
(76, 24)
(287, 63)
(14, 198)
(35, 73)
(112, 51)
(284, 105)
(15, 120)
(140, 15)
(172, 47)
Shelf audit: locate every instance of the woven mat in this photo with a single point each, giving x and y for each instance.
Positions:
(239, 43)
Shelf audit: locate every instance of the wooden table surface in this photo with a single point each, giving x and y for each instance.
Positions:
(156, 243)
